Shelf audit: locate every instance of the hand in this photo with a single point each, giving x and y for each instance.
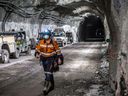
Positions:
(44, 54)
(47, 54)
(59, 61)
(37, 56)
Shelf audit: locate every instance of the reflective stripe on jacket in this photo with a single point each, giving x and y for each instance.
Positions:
(48, 49)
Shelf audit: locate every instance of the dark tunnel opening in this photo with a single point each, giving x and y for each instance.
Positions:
(91, 29)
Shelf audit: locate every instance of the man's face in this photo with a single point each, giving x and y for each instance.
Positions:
(46, 37)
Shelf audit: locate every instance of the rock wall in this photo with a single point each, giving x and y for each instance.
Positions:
(16, 22)
(118, 49)
(31, 25)
(116, 12)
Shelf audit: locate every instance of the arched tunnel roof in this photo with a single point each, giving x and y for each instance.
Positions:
(54, 9)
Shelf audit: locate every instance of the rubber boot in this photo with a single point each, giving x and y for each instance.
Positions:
(52, 85)
(49, 87)
(46, 83)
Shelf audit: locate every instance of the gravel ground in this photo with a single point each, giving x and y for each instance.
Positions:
(84, 73)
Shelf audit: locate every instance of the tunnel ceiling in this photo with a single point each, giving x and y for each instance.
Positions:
(69, 7)
(58, 10)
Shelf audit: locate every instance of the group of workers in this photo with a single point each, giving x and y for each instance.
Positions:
(49, 54)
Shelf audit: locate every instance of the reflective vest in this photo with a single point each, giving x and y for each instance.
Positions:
(49, 49)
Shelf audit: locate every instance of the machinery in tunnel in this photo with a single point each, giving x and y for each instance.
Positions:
(91, 29)
(31, 15)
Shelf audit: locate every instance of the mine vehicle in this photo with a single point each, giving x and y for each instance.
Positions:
(12, 44)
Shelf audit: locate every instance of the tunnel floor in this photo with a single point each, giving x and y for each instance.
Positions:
(78, 76)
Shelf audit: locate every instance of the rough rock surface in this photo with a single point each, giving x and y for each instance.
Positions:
(116, 13)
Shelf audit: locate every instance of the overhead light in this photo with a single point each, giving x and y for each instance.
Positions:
(64, 2)
(82, 8)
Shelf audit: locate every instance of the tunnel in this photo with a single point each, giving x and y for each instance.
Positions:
(91, 29)
(32, 16)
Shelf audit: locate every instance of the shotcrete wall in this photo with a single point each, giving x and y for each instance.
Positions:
(116, 12)
(118, 49)
(16, 22)
(31, 25)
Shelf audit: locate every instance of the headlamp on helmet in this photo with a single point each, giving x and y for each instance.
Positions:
(47, 34)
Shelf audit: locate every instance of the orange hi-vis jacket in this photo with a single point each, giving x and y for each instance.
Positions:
(48, 50)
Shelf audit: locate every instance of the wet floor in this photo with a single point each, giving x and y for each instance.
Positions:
(77, 76)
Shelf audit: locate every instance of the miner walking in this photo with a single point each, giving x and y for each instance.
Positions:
(49, 53)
